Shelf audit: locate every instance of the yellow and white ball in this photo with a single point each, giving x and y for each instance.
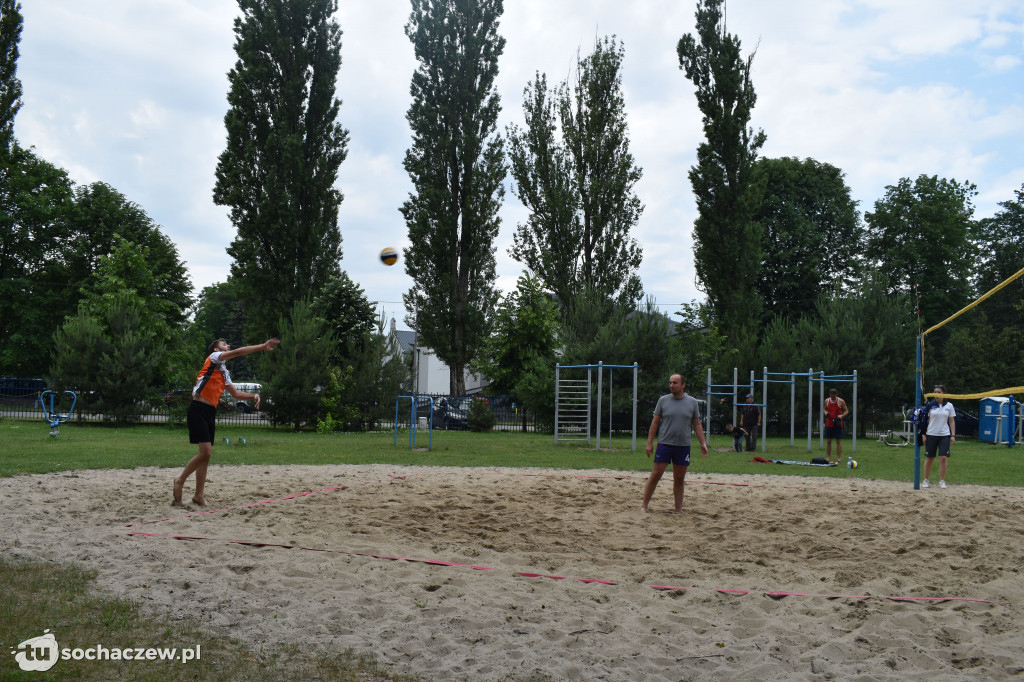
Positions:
(389, 256)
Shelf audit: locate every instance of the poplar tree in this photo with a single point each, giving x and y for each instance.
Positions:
(284, 148)
(10, 86)
(457, 167)
(574, 171)
(726, 238)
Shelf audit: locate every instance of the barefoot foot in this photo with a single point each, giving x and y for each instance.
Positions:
(178, 485)
(201, 501)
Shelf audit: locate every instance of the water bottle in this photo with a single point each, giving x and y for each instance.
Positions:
(849, 461)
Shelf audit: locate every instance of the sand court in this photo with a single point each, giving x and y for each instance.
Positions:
(521, 574)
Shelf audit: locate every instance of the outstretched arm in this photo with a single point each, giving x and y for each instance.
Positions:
(246, 350)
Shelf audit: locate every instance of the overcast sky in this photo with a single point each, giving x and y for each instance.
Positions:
(133, 93)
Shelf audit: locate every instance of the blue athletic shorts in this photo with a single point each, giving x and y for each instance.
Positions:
(678, 455)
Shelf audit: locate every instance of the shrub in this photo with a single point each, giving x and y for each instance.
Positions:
(480, 417)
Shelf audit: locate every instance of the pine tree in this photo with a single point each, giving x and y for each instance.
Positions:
(457, 167)
(10, 86)
(283, 153)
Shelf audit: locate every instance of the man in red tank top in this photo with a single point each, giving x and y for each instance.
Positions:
(835, 410)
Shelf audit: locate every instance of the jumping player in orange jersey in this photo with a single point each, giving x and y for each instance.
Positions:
(202, 411)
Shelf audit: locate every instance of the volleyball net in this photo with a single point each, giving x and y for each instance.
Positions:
(977, 352)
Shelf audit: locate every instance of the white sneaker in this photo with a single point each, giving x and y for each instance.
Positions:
(942, 484)
(924, 483)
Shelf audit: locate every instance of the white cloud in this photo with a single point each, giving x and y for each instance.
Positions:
(134, 94)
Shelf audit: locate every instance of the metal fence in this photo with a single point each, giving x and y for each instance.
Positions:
(19, 399)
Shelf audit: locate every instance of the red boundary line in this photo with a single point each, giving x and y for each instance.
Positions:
(438, 562)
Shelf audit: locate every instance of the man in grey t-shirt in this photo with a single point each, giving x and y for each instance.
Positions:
(674, 417)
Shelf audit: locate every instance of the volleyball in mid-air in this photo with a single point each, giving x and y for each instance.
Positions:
(389, 256)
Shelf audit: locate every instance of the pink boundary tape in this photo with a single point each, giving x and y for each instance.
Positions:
(438, 562)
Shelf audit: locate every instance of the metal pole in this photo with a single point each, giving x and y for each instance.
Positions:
(764, 410)
(810, 405)
(590, 382)
(600, 378)
(735, 390)
(821, 412)
(557, 370)
(635, 370)
(855, 411)
(917, 405)
(611, 402)
(792, 409)
(707, 407)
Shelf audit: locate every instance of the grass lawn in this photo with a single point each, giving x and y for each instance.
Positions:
(35, 596)
(27, 448)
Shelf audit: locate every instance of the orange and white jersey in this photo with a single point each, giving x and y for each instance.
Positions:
(212, 379)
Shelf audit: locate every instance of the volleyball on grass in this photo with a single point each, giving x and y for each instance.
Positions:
(853, 464)
(389, 256)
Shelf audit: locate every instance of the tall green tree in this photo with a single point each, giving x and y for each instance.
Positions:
(284, 148)
(10, 86)
(36, 291)
(100, 219)
(457, 167)
(115, 349)
(573, 170)
(727, 238)
(812, 237)
(920, 233)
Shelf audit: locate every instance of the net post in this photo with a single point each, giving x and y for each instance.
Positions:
(917, 405)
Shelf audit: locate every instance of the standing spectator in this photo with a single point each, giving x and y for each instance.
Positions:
(941, 432)
(675, 416)
(835, 410)
(751, 422)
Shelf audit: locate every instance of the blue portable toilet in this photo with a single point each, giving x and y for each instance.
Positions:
(994, 421)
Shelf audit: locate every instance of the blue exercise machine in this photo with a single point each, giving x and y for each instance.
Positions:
(54, 416)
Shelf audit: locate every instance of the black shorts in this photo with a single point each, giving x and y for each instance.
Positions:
(202, 422)
(834, 432)
(936, 445)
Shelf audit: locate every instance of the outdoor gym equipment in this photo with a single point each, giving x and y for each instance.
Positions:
(413, 421)
(51, 414)
(572, 402)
